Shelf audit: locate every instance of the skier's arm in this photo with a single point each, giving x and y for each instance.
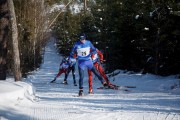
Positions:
(100, 55)
(72, 61)
(73, 51)
(93, 49)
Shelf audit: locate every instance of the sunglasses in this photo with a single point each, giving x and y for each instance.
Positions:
(82, 38)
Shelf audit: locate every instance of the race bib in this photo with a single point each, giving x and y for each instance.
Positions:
(83, 52)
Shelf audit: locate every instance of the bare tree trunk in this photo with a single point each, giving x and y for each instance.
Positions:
(85, 6)
(16, 58)
(157, 53)
(4, 29)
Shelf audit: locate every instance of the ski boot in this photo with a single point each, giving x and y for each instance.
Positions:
(90, 91)
(65, 82)
(105, 85)
(81, 92)
(53, 80)
(75, 84)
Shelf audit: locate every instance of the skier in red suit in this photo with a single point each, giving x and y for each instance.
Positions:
(62, 69)
(98, 56)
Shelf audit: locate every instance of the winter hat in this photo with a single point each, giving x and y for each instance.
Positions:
(82, 36)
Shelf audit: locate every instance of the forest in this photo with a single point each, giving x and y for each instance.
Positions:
(140, 36)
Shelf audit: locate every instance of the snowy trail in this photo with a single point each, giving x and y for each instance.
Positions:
(149, 101)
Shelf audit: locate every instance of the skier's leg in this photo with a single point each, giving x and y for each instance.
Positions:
(94, 70)
(81, 76)
(73, 73)
(59, 73)
(103, 74)
(81, 68)
(101, 71)
(74, 77)
(90, 81)
(66, 75)
(91, 67)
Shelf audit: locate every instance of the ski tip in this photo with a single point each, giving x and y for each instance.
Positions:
(131, 86)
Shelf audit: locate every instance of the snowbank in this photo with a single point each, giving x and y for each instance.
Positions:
(12, 92)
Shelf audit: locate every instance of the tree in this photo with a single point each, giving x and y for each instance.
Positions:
(32, 22)
(66, 29)
(4, 30)
(14, 30)
(123, 25)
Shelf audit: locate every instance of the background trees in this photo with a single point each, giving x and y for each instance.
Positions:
(32, 22)
(134, 35)
(4, 30)
(28, 22)
(138, 35)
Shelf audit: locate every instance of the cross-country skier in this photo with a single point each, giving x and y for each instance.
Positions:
(96, 58)
(72, 64)
(63, 67)
(83, 49)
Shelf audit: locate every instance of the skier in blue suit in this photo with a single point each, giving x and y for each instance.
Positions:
(83, 49)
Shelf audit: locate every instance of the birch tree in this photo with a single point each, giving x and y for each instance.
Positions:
(14, 30)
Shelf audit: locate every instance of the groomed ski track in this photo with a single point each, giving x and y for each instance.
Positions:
(56, 101)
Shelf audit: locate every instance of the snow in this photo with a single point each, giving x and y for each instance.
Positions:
(137, 16)
(17, 90)
(75, 8)
(36, 99)
(146, 28)
(56, 7)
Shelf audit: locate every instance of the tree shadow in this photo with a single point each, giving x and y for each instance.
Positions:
(13, 114)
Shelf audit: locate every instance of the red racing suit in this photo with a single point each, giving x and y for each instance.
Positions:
(63, 69)
(95, 58)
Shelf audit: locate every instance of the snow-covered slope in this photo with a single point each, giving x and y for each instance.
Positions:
(153, 99)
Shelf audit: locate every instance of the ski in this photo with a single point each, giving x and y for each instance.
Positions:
(128, 86)
(112, 85)
(64, 83)
(116, 86)
(123, 88)
(80, 96)
(50, 82)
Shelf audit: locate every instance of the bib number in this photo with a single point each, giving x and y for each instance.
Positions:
(83, 51)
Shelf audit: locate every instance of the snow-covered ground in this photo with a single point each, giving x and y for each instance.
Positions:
(36, 99)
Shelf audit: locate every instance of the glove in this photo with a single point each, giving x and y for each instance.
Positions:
(92, 56)
(102, 61)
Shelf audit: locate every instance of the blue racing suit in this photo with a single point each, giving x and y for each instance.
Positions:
(83, 52)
